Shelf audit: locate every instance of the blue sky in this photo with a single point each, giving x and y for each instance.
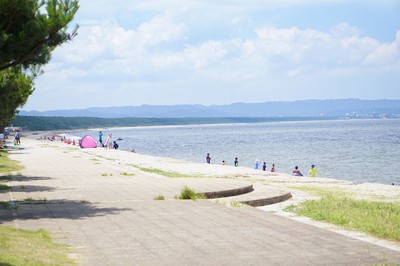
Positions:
(220, 52)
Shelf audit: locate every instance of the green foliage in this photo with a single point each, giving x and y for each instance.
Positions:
(15, 88)
(24, 247)
(42, 123)
(126, 174)
(380, 219)
(4, 187)
(237, 204)
(27, 37)
(159, 197)
(7, 165)
(187, 193)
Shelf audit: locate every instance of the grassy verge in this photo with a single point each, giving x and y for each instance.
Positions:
(23, 247)
(380, 219)
(171, 174)
(8, 165)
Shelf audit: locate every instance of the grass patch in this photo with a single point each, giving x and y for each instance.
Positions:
(126, 174)
(237, 204)
(157, 171)
(4, 187)
(8, 165)
(24, 247)
(5, 178)
(32, 200)
(219, 202)
(187, 193)
(95, 159)
(159, 197)
(321, 191)
(380, 219)
(105, 158)
(105, 174)
(7, 205)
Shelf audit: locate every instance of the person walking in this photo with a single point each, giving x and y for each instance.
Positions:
(236, 162)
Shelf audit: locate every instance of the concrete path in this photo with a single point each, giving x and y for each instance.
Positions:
(112, 219)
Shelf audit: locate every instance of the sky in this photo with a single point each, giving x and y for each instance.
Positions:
(166, 52)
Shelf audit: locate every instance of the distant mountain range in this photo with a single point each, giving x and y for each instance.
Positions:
(329, 108)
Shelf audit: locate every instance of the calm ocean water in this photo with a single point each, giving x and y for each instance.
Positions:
(355, 150)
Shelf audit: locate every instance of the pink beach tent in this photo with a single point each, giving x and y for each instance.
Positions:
(88, 142)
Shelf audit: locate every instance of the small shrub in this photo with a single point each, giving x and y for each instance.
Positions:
(104, 174)
(187, 193)
(159, 197)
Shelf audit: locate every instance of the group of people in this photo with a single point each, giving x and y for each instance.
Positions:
(109, 144)
(264, 166)
(236, 163)
(312, 172)
(296, 172)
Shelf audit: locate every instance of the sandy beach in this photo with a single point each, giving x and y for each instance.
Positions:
(112, 179)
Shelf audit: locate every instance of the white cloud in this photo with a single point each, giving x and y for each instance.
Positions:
(110, 50)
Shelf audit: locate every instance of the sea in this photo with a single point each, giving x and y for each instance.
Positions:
(357, 150)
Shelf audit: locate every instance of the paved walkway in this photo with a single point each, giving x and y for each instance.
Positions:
(114, 220)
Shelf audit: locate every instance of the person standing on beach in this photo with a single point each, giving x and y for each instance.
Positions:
(273, 168)
(236, 162)
(109, 143)
(313, 172)
(208, 158)
(256, 164)
(264, 166)
(101, 138)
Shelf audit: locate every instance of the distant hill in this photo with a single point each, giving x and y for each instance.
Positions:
(306, 108)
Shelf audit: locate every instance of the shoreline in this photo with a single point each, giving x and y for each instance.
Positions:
(258, 172)
(278, 179)
(356, 159)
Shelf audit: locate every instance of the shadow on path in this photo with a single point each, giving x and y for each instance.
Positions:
(56, 209)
